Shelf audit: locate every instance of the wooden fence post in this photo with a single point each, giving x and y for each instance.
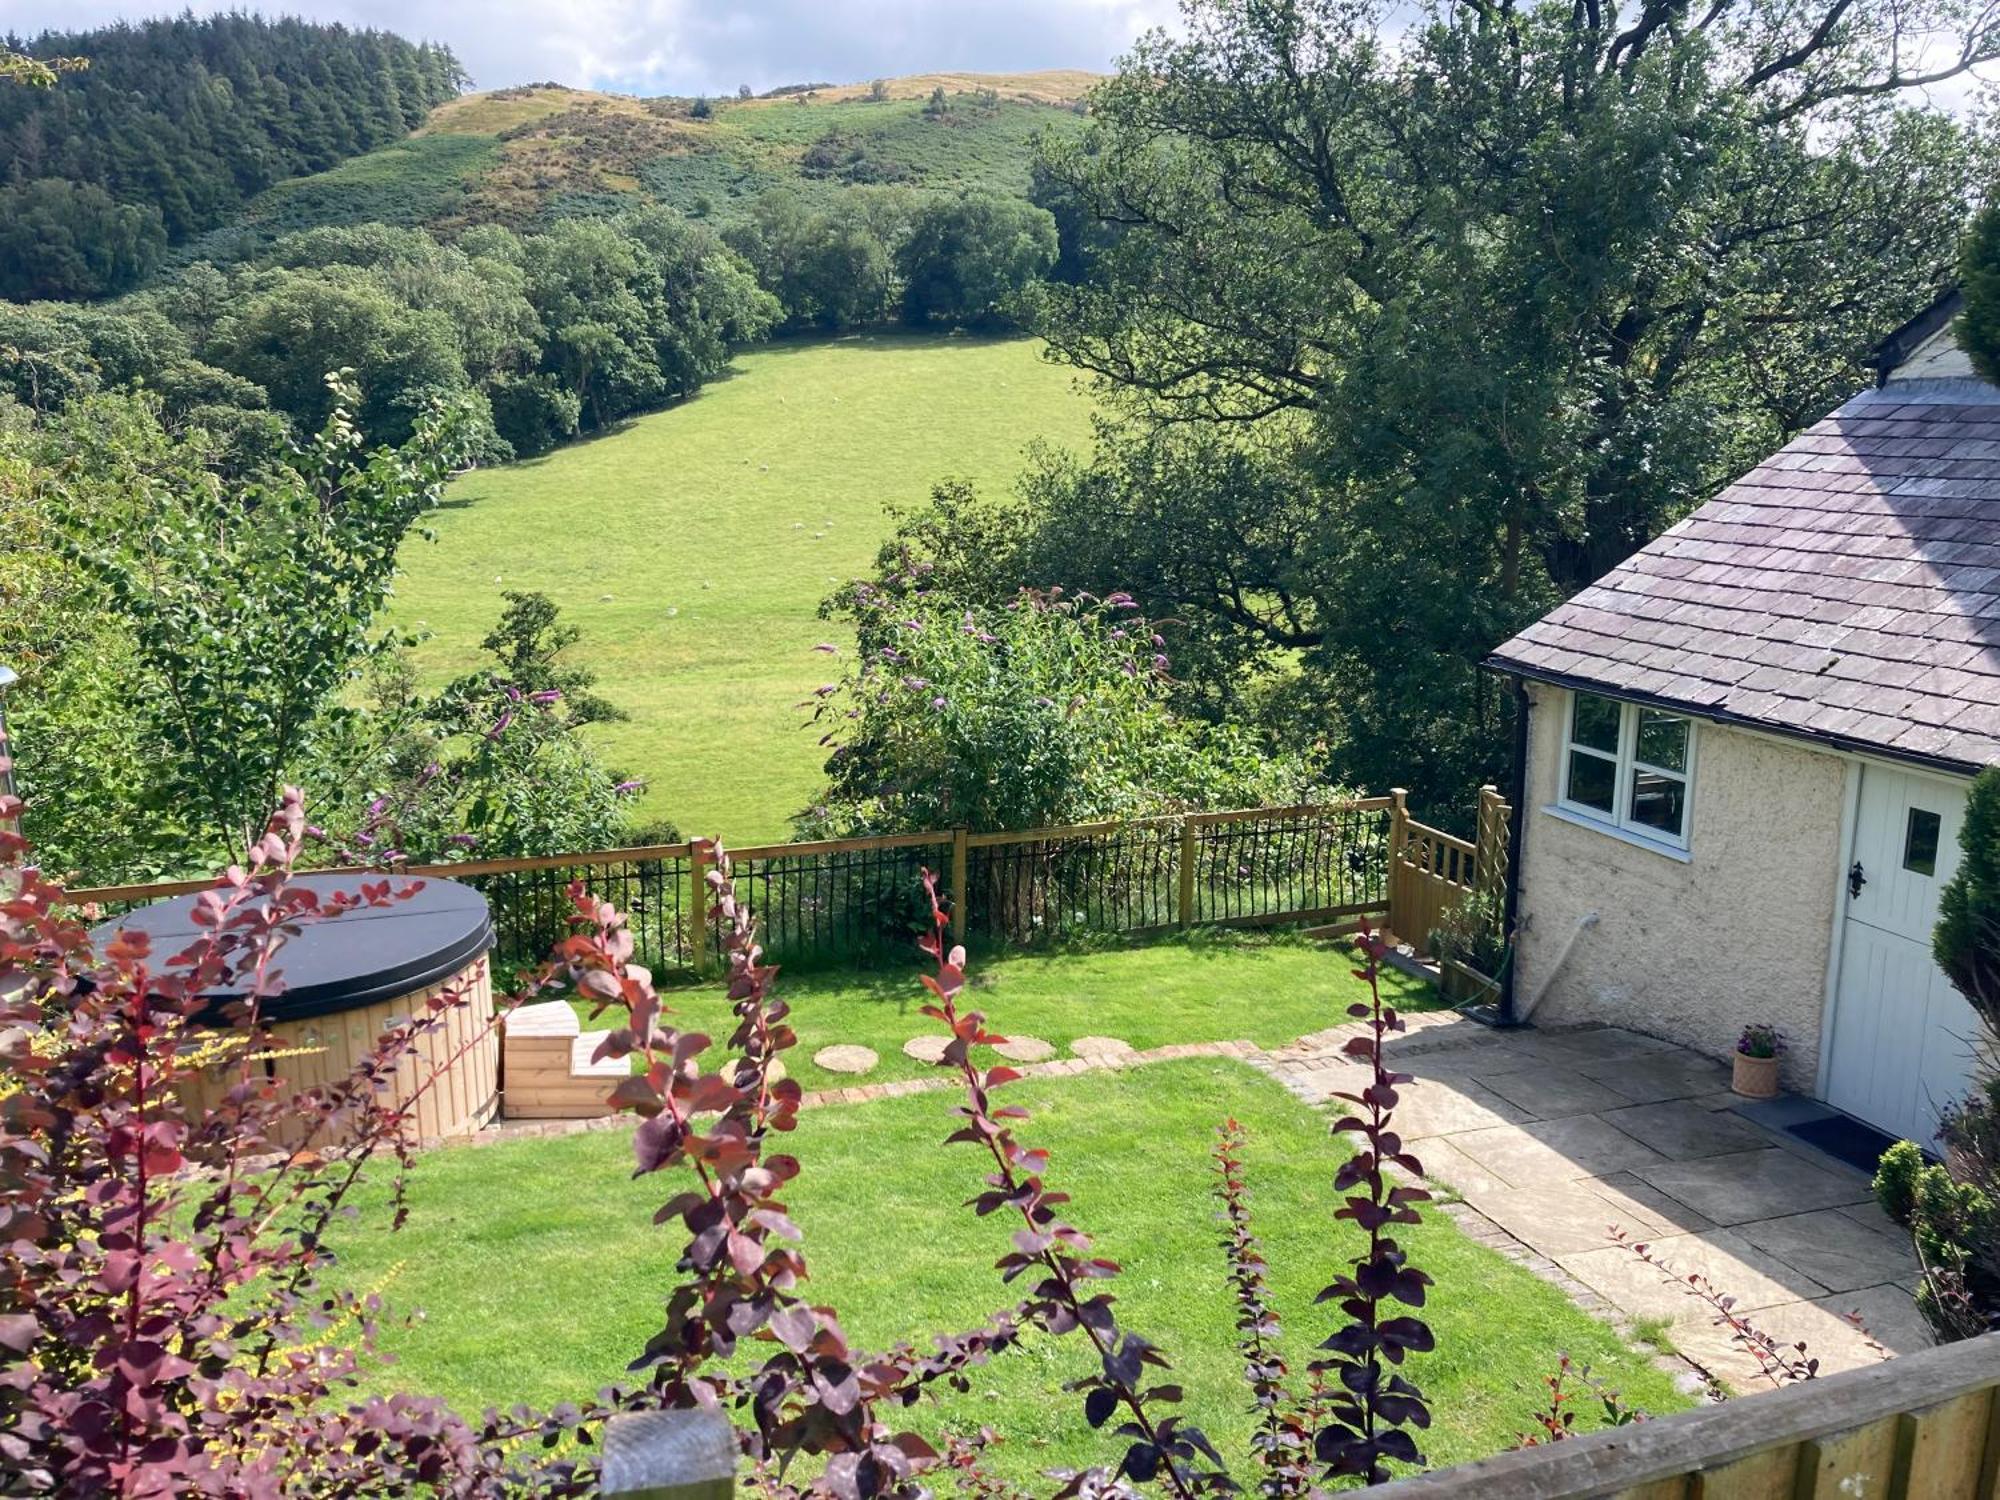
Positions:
(668, 1455)
(1491, 838)
(1188, 856)
(698, 892)
(958, 881)
(1399, 837)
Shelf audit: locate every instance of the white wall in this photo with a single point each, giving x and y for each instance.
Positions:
(1692, 950)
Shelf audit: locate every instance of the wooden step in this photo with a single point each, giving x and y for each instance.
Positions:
(550, 1072)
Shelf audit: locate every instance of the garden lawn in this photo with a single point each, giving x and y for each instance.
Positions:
(692, 547)
(1214, 985)
(541, 1273)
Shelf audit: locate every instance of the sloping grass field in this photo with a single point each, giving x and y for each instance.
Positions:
(540, 1272)
(693, 545)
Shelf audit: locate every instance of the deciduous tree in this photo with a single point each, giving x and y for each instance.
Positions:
(1517, 283)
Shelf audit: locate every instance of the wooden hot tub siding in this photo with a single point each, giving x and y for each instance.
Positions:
(464, 1099)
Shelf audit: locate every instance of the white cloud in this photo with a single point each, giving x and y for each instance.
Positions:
(703, 46)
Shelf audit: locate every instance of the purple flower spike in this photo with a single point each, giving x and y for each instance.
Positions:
(546, 695)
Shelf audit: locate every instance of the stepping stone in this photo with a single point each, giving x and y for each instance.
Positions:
(926, 1049)
(1100, 1046)
(1025, 1049)
(846, 1057)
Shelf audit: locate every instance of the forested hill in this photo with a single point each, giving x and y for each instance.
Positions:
(177, 124)
(530, 156)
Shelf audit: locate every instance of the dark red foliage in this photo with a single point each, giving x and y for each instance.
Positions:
(1557, 1418)
(163, 1325)
(1373, 1406)
(1067, 1295)
(1285, 1427)
(1778, 1362)
(742, 1273)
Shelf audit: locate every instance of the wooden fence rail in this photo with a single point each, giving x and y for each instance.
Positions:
(1314, 863)
(1925, 1426)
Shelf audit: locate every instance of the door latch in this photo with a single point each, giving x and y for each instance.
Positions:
(1855, 880)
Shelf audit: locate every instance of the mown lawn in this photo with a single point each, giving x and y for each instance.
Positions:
(1217, 985)
(540, 1272)
(693, 546)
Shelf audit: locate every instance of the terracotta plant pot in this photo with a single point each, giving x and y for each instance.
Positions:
(1755, 1077)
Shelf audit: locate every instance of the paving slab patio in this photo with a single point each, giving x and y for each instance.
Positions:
(1840, 1251)
(1561, 1137)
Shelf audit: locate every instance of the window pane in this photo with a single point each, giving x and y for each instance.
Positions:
(1596, 723)
(1592, 781)
(1663, 740)
(1920, 842)
(1659, 801)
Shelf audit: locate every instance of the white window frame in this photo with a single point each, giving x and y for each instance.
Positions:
(1627, 765)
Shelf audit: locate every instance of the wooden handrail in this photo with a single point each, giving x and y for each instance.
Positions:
(1928, 1417)
(1923, 1424)
(1439, 836)
(1176, 820)
(159, 890)
(836, 846)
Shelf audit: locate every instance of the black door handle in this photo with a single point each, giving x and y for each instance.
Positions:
(1855, 880)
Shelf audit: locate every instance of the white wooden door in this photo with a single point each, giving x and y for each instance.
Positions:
(1903, 1038)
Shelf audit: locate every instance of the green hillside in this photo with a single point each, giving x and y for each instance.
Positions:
(522, 156)
(693, 546)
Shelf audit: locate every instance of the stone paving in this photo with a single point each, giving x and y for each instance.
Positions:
(1553, 1138)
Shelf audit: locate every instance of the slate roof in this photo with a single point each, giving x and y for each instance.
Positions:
(1846, 590)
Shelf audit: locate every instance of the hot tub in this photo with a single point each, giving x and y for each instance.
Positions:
(350, 978)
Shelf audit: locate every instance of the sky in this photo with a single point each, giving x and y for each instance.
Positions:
(699, 46)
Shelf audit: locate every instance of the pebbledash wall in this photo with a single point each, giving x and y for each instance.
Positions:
(1688, 950)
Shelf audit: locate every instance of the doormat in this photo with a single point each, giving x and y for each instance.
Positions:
(1858, 1145)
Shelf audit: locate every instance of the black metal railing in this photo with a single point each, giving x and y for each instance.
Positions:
(839, 899)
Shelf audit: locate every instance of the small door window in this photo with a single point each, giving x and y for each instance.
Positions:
(1920, 841)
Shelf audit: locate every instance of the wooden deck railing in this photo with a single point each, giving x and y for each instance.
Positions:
(1312, 863)
(1431, 871)
(1924, 1426)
